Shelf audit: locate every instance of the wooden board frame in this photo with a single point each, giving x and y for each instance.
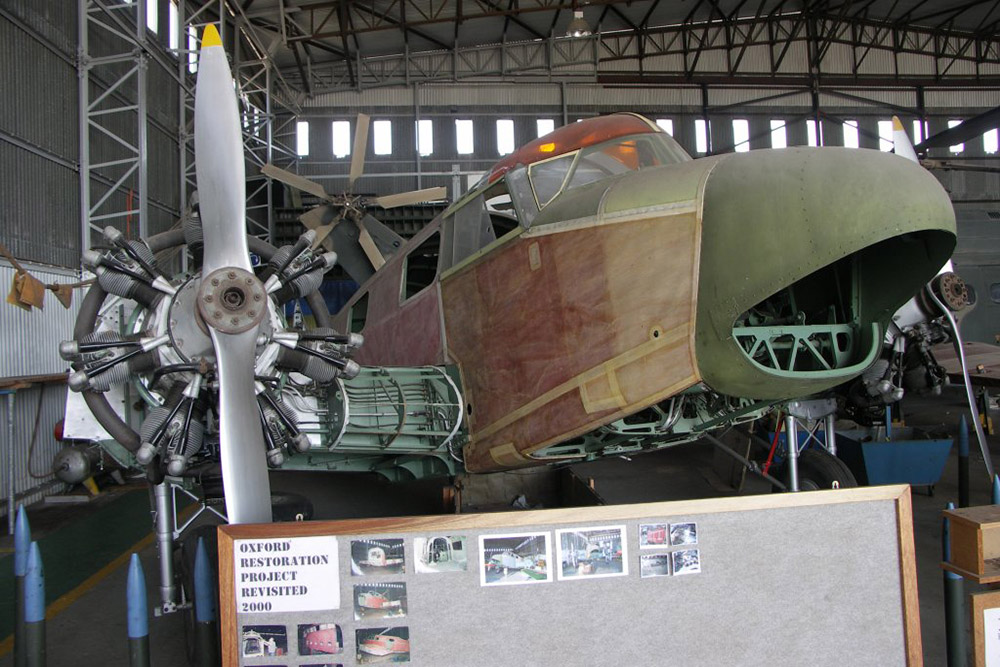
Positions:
(980, 602)
(899, 494)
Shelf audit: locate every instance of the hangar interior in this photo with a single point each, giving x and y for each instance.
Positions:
(97, 129)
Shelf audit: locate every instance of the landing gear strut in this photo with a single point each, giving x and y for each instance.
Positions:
(809, 469)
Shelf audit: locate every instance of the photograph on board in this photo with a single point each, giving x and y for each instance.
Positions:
(264, 641)
(686, 561)
(378, 600)
(321, 664)
(683, 534)
(374, 556)
(383, 645)
(589, 553)
(654, 565)
(440, 553)
(320, 639)
(652, 535)
(521, 558)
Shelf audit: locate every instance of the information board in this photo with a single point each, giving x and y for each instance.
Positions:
(817, 578)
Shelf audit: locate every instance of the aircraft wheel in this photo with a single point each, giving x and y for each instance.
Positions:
(290, 507)
(819, 469)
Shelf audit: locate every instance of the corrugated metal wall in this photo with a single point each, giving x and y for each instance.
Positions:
(29, 344)
(37, 409)
(39, 209)
(39, 132)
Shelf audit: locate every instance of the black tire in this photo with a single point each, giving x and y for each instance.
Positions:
(819, 469)
(287, 506)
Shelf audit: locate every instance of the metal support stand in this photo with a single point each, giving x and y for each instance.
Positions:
(164, 522)
(169, 528)
(11, 499)
(831, 433)
(792, 445)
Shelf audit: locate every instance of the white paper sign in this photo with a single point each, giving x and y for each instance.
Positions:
(991, 636)
(286, 574)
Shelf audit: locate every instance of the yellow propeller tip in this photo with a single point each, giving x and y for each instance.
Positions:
(210, 37)
(896, 125)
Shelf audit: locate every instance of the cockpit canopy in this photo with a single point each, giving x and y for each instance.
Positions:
(518, 187)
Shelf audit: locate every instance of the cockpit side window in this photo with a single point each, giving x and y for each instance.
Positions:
(420, 266)
(547, 177)
(478, 223)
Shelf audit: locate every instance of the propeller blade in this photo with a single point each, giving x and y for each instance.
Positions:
(219, 161)
(371, 250)
(321, 234)
(224, 299)
(294, 180)
(901, 141)
(969, 392)
(969, 129)
(412, 197)
(387, 241)
(244, 471)
(315, 217)
(359, 150)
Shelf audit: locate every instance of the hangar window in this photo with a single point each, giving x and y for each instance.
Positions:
(358, 314)
(192, 49)
(919, 131)
(425, 137)
(302, 138)
(850, 134)
(153, 16)
(174, 38)
(666, 124)
(741, 135)
(813, 130)
(421, 265)
(382, 137)
(957, 148)
(341, 130)
(544, 126)
(779, 138)
(464, 141)
(990, 142)
(701, 135)
(505, 137)
(886, 142)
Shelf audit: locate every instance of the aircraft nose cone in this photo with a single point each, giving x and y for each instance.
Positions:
(774, 218)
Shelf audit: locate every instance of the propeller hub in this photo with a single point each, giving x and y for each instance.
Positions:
(232, 300)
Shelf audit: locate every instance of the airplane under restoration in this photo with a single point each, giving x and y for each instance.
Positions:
(598, 292)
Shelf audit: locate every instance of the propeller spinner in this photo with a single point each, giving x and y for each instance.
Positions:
(231, 299)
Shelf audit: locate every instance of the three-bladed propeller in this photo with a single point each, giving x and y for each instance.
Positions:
(231, 300)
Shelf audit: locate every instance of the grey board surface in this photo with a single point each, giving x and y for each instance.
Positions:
(813, 585)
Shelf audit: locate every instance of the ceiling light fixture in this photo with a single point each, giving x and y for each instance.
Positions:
(578, 27)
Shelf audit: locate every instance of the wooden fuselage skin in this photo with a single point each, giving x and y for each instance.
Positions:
(585, 312)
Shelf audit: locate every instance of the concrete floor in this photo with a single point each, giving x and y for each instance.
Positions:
(92, 630)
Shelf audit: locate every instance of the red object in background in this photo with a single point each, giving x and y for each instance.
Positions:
(57, 431)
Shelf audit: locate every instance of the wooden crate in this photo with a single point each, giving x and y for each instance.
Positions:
(975, 543)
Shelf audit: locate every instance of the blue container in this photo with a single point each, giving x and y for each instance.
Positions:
(910, 457)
